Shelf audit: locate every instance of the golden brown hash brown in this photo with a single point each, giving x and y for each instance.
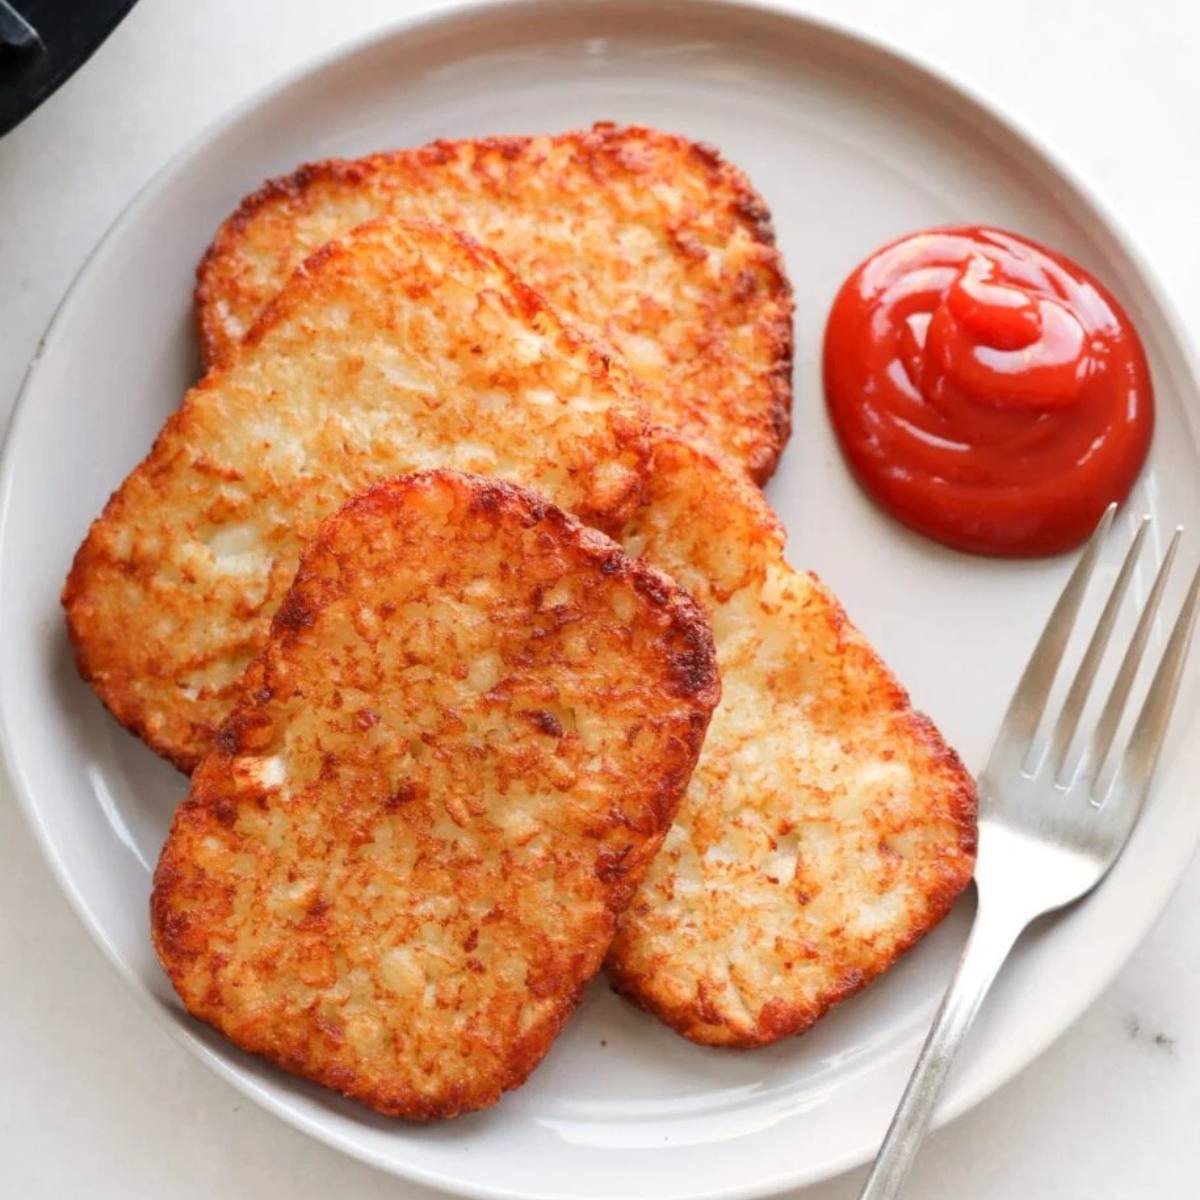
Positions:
(647, 237)
(827, 825)
(403, 347)
(406, 852)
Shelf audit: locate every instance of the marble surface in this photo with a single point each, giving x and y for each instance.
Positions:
(97, 1101)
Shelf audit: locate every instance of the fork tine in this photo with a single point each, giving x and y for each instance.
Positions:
(1029, 700)
(1085, 676)
(1098, 748)
(1141, 756)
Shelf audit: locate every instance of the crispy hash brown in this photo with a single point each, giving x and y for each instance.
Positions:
(405, 346)
(647, 237)
(827, 825)
(463, 742)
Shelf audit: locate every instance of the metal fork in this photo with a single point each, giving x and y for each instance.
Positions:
(1047, 834)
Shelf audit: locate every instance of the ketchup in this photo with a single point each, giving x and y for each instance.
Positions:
(986, 391)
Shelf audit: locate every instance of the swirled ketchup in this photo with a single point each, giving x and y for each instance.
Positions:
(986, 391)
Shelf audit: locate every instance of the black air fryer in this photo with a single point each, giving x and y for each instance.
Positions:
(43, 43)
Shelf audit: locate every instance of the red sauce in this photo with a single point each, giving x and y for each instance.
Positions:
(986, 391)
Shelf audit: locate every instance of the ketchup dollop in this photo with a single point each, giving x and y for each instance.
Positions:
(986, 391)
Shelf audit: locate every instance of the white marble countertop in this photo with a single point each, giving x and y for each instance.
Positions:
(97, 1101)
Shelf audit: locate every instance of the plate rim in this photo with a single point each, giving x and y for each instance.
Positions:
(448, 14)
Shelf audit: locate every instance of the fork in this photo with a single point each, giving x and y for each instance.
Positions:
(1048, 833)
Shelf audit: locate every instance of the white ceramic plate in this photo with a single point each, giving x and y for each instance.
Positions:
(851, 146)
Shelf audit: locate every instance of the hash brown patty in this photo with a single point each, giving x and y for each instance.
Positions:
(648, 238)
(827, 826)
(407, 849)
(405, 346)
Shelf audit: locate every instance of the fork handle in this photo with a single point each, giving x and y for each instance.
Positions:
(993, 933)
